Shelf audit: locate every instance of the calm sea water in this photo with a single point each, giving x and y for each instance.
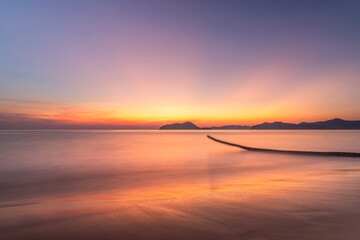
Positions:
(177, 185)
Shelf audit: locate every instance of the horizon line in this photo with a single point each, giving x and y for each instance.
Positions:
(108, 126)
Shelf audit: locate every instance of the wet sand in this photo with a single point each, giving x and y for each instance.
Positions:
(146, 185)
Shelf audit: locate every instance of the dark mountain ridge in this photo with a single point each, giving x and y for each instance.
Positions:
(335, 123)
(281, 125)
(338, 123)
(231, 127)
(180, 126)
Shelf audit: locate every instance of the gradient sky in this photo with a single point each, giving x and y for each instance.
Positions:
(145, 63)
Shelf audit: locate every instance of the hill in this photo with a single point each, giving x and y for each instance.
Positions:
(335, 123)
(179, 126)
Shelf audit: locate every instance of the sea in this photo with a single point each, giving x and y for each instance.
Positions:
(178, 184)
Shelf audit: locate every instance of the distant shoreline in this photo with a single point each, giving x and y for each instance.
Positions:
(336, 124)
(158, 130)
(333, 124)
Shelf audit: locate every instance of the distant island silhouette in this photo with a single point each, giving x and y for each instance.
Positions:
(335, 123)
(180, 126)
(28, 122)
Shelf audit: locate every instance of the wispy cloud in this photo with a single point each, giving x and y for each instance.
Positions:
(10, 121)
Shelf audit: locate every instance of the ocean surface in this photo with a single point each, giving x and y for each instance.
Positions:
(155, 184)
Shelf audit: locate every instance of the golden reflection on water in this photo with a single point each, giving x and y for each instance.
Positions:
(176, 185)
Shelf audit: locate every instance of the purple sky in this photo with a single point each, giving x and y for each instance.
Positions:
(145, 63)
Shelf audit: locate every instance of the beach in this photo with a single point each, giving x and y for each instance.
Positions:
(150, 184)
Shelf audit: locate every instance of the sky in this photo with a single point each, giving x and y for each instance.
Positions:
(141, 64)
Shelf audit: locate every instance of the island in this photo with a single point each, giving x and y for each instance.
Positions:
(335, 123)
(231, 127)
(180, 126)
(281, 125)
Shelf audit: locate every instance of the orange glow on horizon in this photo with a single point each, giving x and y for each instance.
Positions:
(265, 95)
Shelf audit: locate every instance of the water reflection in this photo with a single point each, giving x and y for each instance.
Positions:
(176, 185)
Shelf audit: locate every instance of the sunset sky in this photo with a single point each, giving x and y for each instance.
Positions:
(141, 64)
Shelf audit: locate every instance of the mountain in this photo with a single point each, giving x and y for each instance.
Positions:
(190, 125)
(338, 123)
(182, 126)
(281, 125)
(232, 127)
(335, 123)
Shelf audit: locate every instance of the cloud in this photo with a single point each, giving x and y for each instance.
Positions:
(20, 121)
